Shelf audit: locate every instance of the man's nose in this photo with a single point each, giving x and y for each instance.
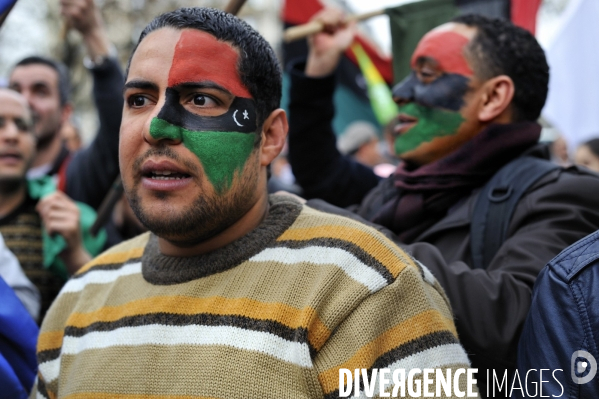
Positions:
(9, 131)
(160, 130)
(404, 91)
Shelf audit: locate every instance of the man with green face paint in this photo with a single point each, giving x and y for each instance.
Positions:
(468, 108)
(232, 293)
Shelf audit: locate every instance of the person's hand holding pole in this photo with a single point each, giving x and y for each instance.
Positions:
(327, 47)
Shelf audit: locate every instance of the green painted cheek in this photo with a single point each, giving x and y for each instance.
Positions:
(222, 154)
(432, 123)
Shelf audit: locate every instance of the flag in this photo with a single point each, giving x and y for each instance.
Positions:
(351, 97)
(573, 57)
(409, 22)
(524, 14)
(488, 8)
(381, 99)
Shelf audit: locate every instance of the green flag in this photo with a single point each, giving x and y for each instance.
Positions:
(409, 22)
(379, 93)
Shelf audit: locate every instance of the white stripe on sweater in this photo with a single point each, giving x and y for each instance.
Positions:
(50, 370)
(100, 277)
(317, 255)
(156, 334)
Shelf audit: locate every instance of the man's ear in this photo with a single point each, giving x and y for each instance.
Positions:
(498, 93)
(274, 133)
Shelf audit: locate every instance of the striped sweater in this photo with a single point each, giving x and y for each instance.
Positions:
(274, 314)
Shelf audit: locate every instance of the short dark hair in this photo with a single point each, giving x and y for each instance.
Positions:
(64, 85)
(501, 48)
(258, 67)
(593, 146)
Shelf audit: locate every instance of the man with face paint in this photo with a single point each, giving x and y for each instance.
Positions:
(468, 108)
(233, 293)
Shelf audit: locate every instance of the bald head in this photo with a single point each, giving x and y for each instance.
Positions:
(17, 101)
(17, 140)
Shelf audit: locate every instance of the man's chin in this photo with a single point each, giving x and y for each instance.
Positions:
(12, 182)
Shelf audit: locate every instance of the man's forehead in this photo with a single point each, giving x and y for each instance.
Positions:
(445, 44)
(36, 73)
(13, 101)
(197, 57)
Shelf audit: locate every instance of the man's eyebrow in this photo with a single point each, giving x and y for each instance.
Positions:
(201, 85)
(140, 84)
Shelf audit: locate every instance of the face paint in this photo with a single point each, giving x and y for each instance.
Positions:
(446, 48)
(434, 104)
(445, 92)
(222, 143)
(432, 123)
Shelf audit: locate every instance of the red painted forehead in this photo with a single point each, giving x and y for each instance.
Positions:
(445, 47)
(200, 57)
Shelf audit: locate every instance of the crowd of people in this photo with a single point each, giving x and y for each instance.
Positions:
(199, 281)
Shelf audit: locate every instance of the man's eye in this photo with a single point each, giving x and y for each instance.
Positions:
(201, 100)
(41, 92)
(136, 101)
(22, 125)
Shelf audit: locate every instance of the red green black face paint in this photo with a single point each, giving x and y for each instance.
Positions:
(436, 104)
(222, 143)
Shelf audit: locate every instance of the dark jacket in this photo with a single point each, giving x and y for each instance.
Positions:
(90, 172)
(319, 168)
(564, 319)
(490, 305)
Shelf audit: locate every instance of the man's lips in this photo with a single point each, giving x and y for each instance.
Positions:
(11, 157)
(404, 123)
(164, 175)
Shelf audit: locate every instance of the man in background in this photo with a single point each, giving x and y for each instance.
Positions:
(32, 213)
(467, 110)
(86, 175)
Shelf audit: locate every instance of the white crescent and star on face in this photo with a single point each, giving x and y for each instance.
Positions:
(245, 116)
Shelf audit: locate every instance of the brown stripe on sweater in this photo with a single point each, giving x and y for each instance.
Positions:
(48, 355)
(423, 323)
(385, 252)
(299, 334)
(41, 388)
(348, 246)
(107, 267)
(284, 314)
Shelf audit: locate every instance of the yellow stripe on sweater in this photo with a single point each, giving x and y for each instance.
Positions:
(49, 340)
(422, 324)
(318, 333)
(380, 250)
(110, 258)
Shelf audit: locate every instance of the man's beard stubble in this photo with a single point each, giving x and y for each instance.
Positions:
(47, 132)
(11, 185)
(206, 216)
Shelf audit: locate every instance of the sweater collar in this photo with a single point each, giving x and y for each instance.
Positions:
(160, 269)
